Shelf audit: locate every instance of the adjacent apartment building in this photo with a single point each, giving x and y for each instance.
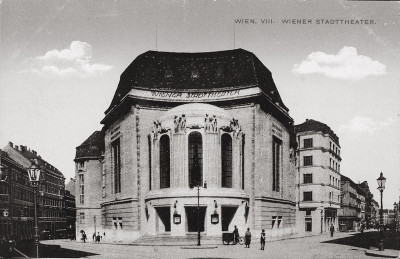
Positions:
(318, 177)
(16, 201)
(51, 213)
(88, 184)
(352, 212)
(193, 129)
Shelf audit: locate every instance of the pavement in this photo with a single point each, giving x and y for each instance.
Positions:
(321, 246)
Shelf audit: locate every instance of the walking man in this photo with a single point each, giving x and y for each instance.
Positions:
(332, 229)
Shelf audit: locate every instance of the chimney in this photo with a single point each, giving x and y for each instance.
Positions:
(16, 147)
(10, 144)
(306, 119)
(34, 152)
(23, 148)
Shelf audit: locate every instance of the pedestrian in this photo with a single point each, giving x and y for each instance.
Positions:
(332, 229)
(247, 237)
(98, 237)
(235, 235)
(94, 237)
(84, 236)
(262, 239)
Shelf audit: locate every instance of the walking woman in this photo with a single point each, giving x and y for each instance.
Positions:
(247, 237)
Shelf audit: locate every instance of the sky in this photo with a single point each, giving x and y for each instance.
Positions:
(337, 62)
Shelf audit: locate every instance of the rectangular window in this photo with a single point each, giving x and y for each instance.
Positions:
(307, 196)
(81, 218)
(276, 163)
(308, 142)
(307, 161)
(308, 224)
(308, 178)
(308, 212)
(82, 189)
(116, 149)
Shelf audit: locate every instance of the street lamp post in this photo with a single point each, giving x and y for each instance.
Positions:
(34, 174)
(381, 186)
(198, 214)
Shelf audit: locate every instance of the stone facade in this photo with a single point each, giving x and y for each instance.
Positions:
(318, 168)
(222, 152)
(88, 189)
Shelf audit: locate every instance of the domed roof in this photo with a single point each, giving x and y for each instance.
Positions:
(194, 109)
(211, 71)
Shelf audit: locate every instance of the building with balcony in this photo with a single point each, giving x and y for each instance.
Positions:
(195, 129)
(369, 211)
(51, 213)
(318, 177)
(352, 211)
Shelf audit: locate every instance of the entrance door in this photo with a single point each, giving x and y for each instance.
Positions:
(191, 218)
(227, 214)
(163, 223)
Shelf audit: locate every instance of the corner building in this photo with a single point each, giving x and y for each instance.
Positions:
(318, 191)
(188, 127)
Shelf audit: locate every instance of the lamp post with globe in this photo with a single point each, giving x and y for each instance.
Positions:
(34, 176)
(381, 186)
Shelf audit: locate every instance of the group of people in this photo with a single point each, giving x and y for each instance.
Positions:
(247, 237)
(96, 238)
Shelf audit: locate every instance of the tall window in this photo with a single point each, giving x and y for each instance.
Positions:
(82, 189)
(307, 178)
(164, 162)
(307, 196)
(226, 156)
(81, 218)
(276, 163)
(116, 149)
(195, 159)
(308, 142)
(307, 160)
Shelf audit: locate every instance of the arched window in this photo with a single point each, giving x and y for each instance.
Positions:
(226, 157)
(164, 162)
(195, 159)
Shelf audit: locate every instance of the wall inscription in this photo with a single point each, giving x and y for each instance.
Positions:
(276, 130)
(197, 95)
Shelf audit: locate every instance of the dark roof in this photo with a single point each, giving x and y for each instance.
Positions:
(221, 70)
(313, 125)
(24, 154)
(92, 147)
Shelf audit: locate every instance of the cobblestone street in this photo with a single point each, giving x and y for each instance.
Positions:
(308, 247)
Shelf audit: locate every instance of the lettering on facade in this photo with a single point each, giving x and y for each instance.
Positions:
(198, 95)
(276, 130)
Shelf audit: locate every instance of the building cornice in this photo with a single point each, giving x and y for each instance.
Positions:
(118, 201)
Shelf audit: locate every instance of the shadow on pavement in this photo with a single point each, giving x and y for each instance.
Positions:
(369, 239)
(53, 251)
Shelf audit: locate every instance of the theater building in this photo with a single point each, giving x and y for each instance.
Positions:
(197, 129)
